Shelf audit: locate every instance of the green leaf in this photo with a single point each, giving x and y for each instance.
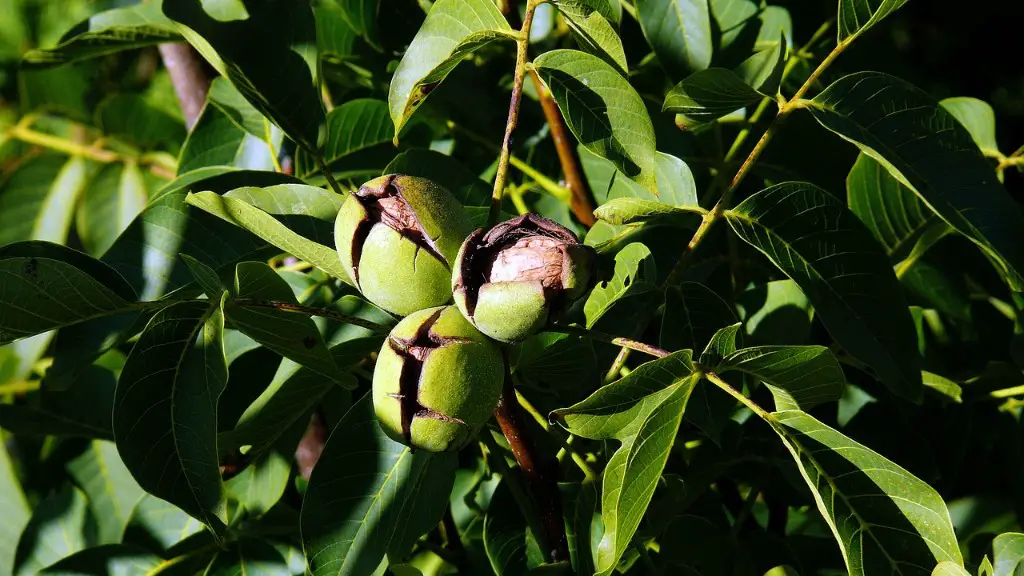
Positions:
(602, 110)
(763, 70)
(679, 31)
(632, 210)
(466, 186)
(57, 530)
(293, 392)
(943, 386)
(452, 30)
(594, 33)
(206, 277)
(556, 361)
(265, 226)
(262, 483)
(165, 409)
(1008, 551)
(47, 286)
(361, 15)
(164, 522)
(115, 197)
(130, 117)
(106, 33)
(335, 38)
(37, 199)
(708, 95)
(949, 569)
(249, 556)
(579, 500)
(289, 333)
(856, 16)
(722, 343)
(13, 508)
(776, 312)
(693, 313)
(885, 520)
(926, 149)
(675, 181)
(676, 187)
(632, 283)
(268, 52)
(363, 493)
(307, 210)
(356, 125)
(83, 410)
(110, 559)
(110, 488)
(505, 533)
(643, 411)
(799, 377)
(826, 250)
(978, 118)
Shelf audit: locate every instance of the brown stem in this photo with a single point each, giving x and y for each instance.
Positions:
(311, 446)
(188, 77)
(581, 201)
(540, 472)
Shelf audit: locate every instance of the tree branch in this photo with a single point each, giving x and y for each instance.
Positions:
(190, 80)
(581, 201)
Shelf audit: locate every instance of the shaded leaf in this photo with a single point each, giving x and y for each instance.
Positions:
(799, 377)
(106, 33)
(693, 313)
(57, 530)
(927, 150)
(47, 286)
(38, 198)
(505, 533)
(356, 125)
(362, 492)
(710, 94)
(83, 410)
(13, 508)
(262, 483)
(249, 556)
(602, 110)
(164, 522)
(130, 117)
(115, 197)
(827, 251)
(361, 15)
(679, 31)
(856, 16)
(109, 560)
(165, 409)
(776, 312)
(884, 519)
(268, 52)
(466, 186)
(110, 488)
(556, 360)
(452, 30)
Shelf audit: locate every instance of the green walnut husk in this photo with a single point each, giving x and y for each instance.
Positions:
(437, 381)
(397, 237)
(512, 280)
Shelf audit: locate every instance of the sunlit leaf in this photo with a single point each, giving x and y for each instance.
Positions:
(116, 195)
(800, 377)
(856, 16)
(629, 291)
(594, 32)
(110, 488)
(354, 126)
(58, 529)
(38, 198)
(110, 560)
(978, 118)
(1008, 551)
(164, 522)
(14, 509)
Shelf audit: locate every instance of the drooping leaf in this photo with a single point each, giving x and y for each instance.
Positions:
(268, 52)
(110, 560)
(47, 286)
(602, 110)
(885, 520)
(800, 377)
(262, 224)
(116, 195)
(291, 334)
(978, 118)
(856, 16)
(679, 31)
(14, 509)
(106, 33)
(1008, 553)
(827, 251)
(735, 20)
(579, 500)
(643, 411)
(57, 530)
(165, 409)
(452, 30)
(37, 199)
(354, 126)
(763, 70)
(306, 210)
(927, 150)
(362, 495)
(110, 488)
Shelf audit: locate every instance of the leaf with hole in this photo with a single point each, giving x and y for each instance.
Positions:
(827, 251)
(927, 150)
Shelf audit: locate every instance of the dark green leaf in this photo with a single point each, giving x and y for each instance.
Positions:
(505, 534)
(581, 513)
(115, 197)
(361, 15)
(268, 52)
(108, 560)
(47, 286)
(165, 409)
(827, 251)
(710, 94)
(206, 277)
(249, 556)
(110, 488)
(856, 16)
(693, 313)
(130, 117)
(556, 360)
(799, 377)
(924, 146)
(602, 110)
(722, 343)
(362, 492)
(355, 125)
(83, 410)
(38, 198)
(14, 509)
(289, 333)
(106, 33)
(629, 291)
(453, 30)
(763, 70)
(885, 520)
(776, 312)
(679, 31)
(57, 530)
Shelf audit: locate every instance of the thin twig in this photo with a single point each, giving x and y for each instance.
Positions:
(617, 340)
(761, 412)
(581, 201)
(522, 43)
(326, 171)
